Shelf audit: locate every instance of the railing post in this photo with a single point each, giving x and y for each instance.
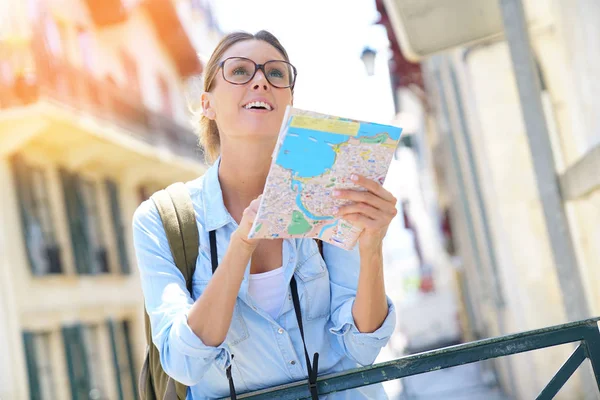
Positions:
(592, 346)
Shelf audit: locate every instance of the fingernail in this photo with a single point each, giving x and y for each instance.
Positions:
(336, 210)
(336, 192)
(354, 177)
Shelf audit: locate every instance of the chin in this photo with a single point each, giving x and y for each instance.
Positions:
(261, 133)
(259, 130)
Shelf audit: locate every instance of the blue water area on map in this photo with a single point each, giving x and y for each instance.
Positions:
(325, 227)
(297, 186)
(308, 154)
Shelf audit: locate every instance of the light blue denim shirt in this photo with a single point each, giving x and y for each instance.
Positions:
(267, 351)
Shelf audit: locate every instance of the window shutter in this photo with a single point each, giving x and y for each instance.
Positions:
(79, 376)
(32, 370)
(81, 217)
(77, 221)
(113, 192)
(123, 359)
(129, 345)
(22, 181)
(113, 340)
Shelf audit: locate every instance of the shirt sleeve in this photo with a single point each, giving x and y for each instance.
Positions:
(344, 267)
(183, 355)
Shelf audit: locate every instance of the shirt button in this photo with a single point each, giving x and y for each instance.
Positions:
(280, 331)
(293, 362)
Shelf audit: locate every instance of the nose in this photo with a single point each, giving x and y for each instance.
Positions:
(259, 82)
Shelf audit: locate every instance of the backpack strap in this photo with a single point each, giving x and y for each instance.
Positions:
(176, 211)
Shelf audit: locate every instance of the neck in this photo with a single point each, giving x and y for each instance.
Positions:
(243, 172)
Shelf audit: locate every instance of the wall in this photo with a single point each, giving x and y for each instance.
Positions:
(506, 180)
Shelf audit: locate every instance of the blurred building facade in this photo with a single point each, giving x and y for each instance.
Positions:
(92, 121)
(490, 209)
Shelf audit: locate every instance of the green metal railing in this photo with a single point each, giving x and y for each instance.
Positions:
(585, 332)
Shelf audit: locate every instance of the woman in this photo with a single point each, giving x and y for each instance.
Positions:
(245, 309)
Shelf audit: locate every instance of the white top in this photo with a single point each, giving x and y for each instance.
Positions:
(268, 290)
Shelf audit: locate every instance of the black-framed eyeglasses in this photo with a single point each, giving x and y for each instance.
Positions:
(241, 70)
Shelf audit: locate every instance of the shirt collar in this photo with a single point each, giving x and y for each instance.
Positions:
(215, 213)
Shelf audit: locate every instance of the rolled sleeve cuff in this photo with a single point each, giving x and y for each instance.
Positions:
(186, 342)
(347, 327)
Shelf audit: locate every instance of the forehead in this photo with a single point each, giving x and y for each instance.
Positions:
(258, 51)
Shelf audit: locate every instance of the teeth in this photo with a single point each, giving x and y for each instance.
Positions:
(258, 104)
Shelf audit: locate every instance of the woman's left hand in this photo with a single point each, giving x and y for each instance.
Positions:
(372, 210)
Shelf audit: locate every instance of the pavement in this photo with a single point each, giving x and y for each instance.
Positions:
(466, 382)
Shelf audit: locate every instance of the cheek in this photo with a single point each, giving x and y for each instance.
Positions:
(226, 105)
(283, 100)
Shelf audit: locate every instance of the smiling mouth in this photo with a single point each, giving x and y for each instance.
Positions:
(258, 105)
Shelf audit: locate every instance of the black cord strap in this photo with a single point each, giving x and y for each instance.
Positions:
(214, 259)
(314, 367)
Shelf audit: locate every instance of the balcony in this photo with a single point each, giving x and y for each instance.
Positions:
(172, 33)
(57, 82)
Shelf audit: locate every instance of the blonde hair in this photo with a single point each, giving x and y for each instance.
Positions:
(208, 132)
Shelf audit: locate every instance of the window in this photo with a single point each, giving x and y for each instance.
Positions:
(143, 193)
(36, 218)
(165, 95)
(197, 5)
(33, 9)
(54, 37)
(6, 72)
(123, 359)
(97, 248)
(118, 228)
(86, 50)
(84, 360)
(39, 366)
(131, 72)
(91, 344)
(87, 236)
(76, 362)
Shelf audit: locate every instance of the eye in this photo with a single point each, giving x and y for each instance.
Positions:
(240, 71)
(276, 73)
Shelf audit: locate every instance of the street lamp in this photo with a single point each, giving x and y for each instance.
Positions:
(368, 58)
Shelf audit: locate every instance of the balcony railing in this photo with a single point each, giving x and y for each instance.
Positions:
(57, 81)
(585, 333)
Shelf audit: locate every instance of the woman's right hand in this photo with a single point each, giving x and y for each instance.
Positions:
(241, 233)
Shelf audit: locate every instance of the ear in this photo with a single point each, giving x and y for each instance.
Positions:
(207, 110)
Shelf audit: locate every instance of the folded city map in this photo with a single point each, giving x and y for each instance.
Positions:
(316, 154)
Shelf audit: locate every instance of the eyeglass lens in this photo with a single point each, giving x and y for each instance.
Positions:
(240, 71)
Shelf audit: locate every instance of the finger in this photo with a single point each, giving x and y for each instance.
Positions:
(361, 221)
(250, 213)
(254, 204)
(361, 196)
(361, 208)
(373, 187)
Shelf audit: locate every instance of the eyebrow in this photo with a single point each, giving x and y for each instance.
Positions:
(248, 58)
